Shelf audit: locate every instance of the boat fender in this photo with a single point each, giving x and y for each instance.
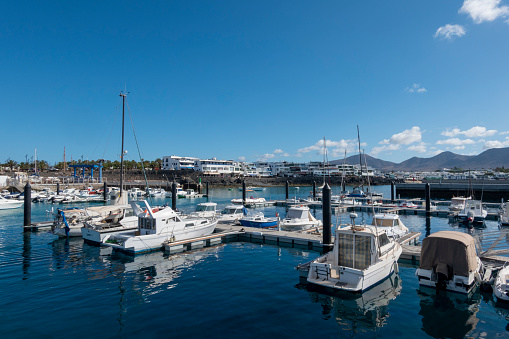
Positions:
(396, 267)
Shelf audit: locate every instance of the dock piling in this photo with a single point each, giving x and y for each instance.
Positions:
(244, 192)
(105, 190)
(392, 191)
(174, 196)
(327, 221)
(58, 188)
(427, 195)
(27, 207)
(314, 189)
(286, 185)
(207, 188)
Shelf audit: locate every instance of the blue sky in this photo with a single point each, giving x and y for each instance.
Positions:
(254, 80)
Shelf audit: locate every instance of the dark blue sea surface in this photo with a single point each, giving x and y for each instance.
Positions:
(59, 288)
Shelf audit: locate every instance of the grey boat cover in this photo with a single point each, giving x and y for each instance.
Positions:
(449, 252)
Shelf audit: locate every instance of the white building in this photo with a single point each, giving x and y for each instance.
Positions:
(217, 167)
(178, 163)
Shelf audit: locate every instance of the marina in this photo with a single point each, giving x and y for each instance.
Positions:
(223, 255)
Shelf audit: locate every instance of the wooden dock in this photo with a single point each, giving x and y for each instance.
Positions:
(308, 239)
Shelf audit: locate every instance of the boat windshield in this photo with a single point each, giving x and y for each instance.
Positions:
(354, 250)
(384, 222)
(205, 208)
(296, 214)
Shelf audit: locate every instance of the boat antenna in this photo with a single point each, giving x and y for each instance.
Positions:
(372, 205)
(360, 154)
(123, 94)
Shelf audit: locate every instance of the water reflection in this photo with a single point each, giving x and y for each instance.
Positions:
(363, 312)
(446, 314)
(27, 248)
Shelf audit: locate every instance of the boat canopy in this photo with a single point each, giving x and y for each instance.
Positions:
(450, 253)
(387, 220)
(300, 213)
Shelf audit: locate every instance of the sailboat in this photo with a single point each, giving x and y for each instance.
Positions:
(124, 219)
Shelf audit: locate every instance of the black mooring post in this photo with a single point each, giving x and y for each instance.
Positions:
(105, 191)
(287, 189)
(326, 217)
(28, 207)
(207, 187)
(58, 188)
(314, 189)
(174, 196)
(243, 192)
(427, 195)
(428, 226)
(392, 191)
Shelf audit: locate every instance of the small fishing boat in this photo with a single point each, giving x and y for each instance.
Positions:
(391, 223)
(205, 210)
(449, 262)
(362, 257)
(504, 215)
(231, 213)
(473, 212)
(501, 285)
(458, 203)
(121, 220)
(299, 218)
(257, 220)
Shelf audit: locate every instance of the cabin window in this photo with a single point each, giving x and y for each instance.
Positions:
(354, 251)
(383, 240)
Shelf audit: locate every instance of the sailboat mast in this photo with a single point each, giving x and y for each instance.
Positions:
(360, 156)
(123, 95)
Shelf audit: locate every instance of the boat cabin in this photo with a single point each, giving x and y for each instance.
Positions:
(359, 247)
(386, 220)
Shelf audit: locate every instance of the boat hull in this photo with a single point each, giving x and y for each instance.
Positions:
(258, 224)
(154, 242)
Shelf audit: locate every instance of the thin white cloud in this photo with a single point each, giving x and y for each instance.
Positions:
(504, 133)
(242, 158)
(278, 151)
(379, 149)
(334, 148)
(416, 88)
(459, 147)
(496, 144)
(437, 152)
(450, 31)
(266, 156)
(285, 154)
(456, 142)
(484, 10)
(407, 137)
(474, 132)
(418, 148)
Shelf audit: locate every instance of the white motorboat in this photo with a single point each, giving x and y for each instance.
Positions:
(347, 201)
(68, 222)
(205, 210)
(249, 200)
(258, 220)
(501, 285)
(231, 213)
(299, 218)
(362, 257)
(158, 226)
(503, 216)
(188, 193)
(6, 204)
(408, 204)
(391, 223)
(136, 192)
(449, 262)
(157, 192)
(122, 219)
(473, 212)
(458, 203)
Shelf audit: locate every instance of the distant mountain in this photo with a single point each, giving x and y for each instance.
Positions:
(492, 158)
(439, 161)
(372, 162)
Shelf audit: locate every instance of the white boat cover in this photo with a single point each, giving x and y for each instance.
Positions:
(449, 253)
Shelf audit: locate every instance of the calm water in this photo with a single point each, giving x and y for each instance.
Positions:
(54, 288)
